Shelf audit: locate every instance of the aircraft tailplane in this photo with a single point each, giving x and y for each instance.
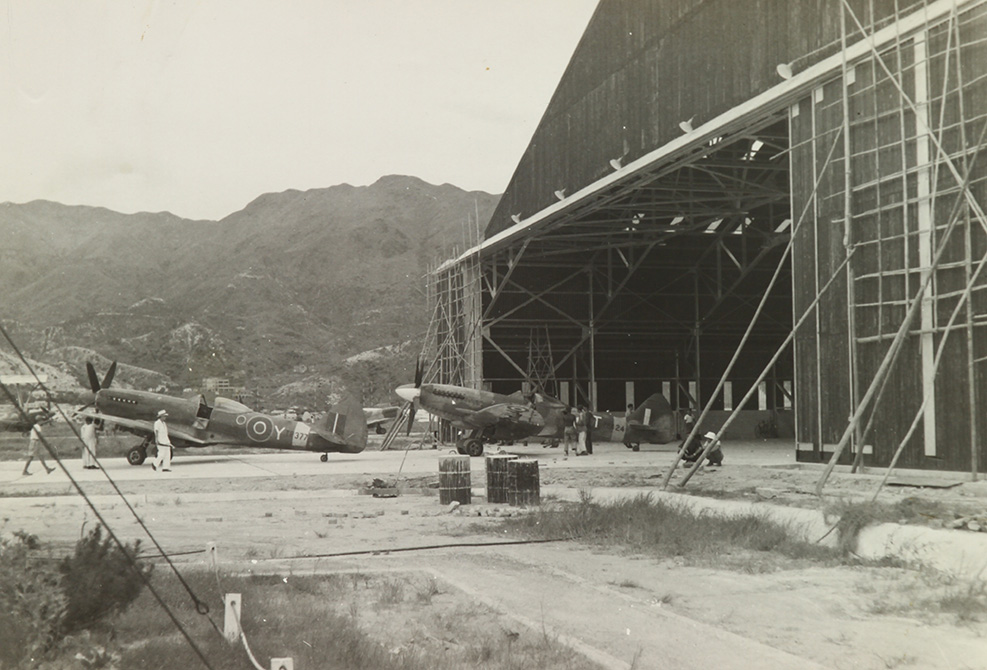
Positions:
(345, 422)
(656, 415)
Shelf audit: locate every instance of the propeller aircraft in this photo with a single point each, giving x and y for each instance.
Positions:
(20, 418)
(194, 423)
(378, 416)
(651, 423)
(490, 417)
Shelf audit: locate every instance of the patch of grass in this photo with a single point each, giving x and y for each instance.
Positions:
(967, 602)
(627, 584)
(929, 592)
(391, 592)
(313, 620)
(852, 517)
(653, 527)
(427, 591)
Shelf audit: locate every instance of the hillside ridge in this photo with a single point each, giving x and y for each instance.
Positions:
(296, 280)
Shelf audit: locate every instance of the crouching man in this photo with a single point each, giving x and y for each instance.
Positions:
(713, 457)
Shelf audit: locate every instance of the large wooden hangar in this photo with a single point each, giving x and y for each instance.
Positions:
(766, 204)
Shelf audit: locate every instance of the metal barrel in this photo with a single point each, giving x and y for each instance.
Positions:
(497, 477)
(523, 487)
(454, 479)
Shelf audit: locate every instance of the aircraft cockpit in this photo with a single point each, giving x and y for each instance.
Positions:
(231, 406)
(202, 412)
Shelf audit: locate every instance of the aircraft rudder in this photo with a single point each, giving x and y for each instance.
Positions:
(345, 421)
(652, 422)
(652, 409)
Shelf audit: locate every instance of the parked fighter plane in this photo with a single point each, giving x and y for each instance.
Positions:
(378, 416)
(20, 418)
(12, 420)
(194, 423)
(490, 417)
(652, 423)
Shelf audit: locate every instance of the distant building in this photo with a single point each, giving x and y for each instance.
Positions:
(221, 386)
(216, 384)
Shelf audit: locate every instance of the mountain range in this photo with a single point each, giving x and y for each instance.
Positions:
(294, 297)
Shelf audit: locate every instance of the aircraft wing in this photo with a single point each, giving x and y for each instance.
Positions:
(378, 415)
(175, 433)
(503, 413)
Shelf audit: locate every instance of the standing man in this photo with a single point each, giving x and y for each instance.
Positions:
(580, 423)
(89, 440)
(34, 446)
(590, 422)
(163, 443)
(568, 429)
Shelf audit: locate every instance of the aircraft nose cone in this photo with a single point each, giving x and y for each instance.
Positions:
(409, 392)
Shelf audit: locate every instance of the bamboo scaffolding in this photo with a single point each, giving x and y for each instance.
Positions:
(938, 359)
(761, 377)
(736, 355)
(895, 349)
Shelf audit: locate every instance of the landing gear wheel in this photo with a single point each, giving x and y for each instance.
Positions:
(379, 429)
(635, 447)
(473, 447)
(137, 455)
(324, 458)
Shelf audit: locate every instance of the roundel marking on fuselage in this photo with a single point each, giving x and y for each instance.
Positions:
(241, 419)
(259, 428)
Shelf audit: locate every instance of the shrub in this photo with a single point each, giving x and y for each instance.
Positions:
(99, 579)
(31, 601)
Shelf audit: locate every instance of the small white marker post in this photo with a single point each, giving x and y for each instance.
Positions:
(211, 556)
(282, 664)
(231, 622)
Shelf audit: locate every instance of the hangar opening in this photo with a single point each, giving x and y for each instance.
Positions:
(790, 225)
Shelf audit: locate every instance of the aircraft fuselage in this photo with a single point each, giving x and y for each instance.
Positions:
(227, 422)
(459, 405)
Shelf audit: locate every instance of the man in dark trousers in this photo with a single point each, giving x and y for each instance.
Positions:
(590, 422)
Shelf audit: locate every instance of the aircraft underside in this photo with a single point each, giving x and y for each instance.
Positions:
(137, 454)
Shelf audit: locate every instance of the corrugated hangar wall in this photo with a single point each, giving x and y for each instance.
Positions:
(688, 176)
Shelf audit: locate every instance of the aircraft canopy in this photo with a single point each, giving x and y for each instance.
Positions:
(227, 405)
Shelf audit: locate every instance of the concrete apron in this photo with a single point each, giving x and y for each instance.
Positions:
(955, 552)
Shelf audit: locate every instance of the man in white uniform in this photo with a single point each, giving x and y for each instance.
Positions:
(34, 447)
(163, 444)
(88, 435)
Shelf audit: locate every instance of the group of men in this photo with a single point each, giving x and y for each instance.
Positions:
(576, 433)
(90, 442)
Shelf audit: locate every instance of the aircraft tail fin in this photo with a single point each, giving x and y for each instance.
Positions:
(653, 420)
(344, 424)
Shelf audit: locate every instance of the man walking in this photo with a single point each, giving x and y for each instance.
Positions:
(163, 444)
(34, 446)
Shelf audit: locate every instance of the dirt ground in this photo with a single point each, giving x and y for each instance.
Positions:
(619, 610)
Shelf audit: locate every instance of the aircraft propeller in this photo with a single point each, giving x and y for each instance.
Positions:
(94, 382)
(411, 393)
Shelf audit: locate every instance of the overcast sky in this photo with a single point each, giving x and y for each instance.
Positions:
(199, 106)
